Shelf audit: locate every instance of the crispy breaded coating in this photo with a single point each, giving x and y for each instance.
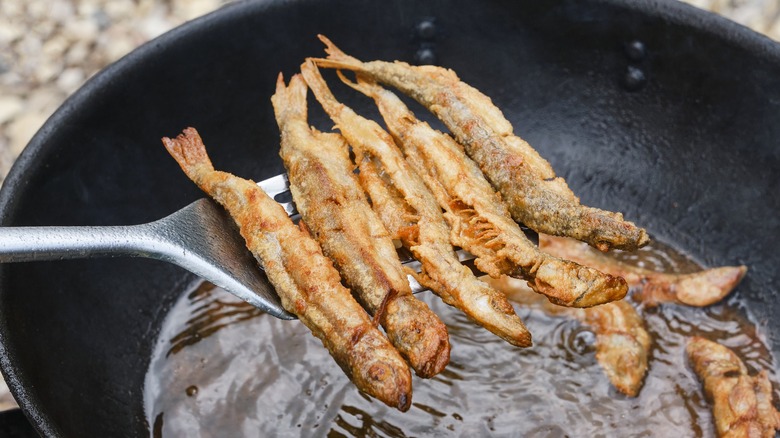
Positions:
(535, 195)
(696, 289)
(741, 405)
(334, 207)
(397, 191)
(306, 281)
(622, 343)
(479, 221)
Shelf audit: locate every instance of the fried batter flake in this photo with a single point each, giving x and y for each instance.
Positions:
(535, 195)
(334, 207)
(741, 404)
(306, 281)
(412, 215)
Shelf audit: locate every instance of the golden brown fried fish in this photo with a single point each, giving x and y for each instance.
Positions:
(306, 281)
(696, 289)
(622, 343)
(741, 405)
(480, 222)
(334, 207)
(411, 214)
(527, 183)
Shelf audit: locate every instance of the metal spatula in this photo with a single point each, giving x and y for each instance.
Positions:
(200, 237)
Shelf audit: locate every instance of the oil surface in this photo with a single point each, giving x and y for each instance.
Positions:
(222, 368)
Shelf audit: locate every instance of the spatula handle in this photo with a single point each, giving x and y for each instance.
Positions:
(25, 244)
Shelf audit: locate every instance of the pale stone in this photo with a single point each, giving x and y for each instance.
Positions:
(55, 47)
(12, 80)
(12, 8)
(47, 70)
(774, 31)
(6, 399)
(771, 15)
(145, 8)
(703, 4)
(37, 9)
(61, 10)
(189, 10)
(70, 79)
(81, 29)
(115, 49)
(9, 107)
(44, 29)
(77, 53)
(44, 99)
(21, 130)
(119, 8)
(6, 161)
(10, 31)
(29, 45)
(154, 26)
(750, 16)
(87, 8)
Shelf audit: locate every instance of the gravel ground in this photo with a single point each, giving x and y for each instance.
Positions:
(49, 48)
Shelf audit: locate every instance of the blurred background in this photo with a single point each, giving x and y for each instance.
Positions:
(48, 49)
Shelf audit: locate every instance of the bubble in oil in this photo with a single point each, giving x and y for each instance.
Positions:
(582, 341)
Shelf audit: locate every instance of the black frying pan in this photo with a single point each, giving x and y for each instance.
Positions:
(666, 113)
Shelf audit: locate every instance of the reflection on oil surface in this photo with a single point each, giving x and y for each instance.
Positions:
(221, 368)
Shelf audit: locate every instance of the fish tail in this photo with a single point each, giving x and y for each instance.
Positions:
(189, 151)
(336, 57)
(709, 286)
(290, 101)
(398, 117)
(364, 85)
(311, 74)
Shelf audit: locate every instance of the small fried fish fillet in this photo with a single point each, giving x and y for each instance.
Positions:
(479, 220)
(741, 405)
(397, 191)
(697, 289)
(622, 343)
(306, 281)
(334, 207)
(535, 195)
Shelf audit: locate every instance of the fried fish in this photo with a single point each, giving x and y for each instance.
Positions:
(741, 404)
(696, 289)
(306, 281)
(622, 344)
(412, 215)
(334, 207)
(535, 195)
(479, 221)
